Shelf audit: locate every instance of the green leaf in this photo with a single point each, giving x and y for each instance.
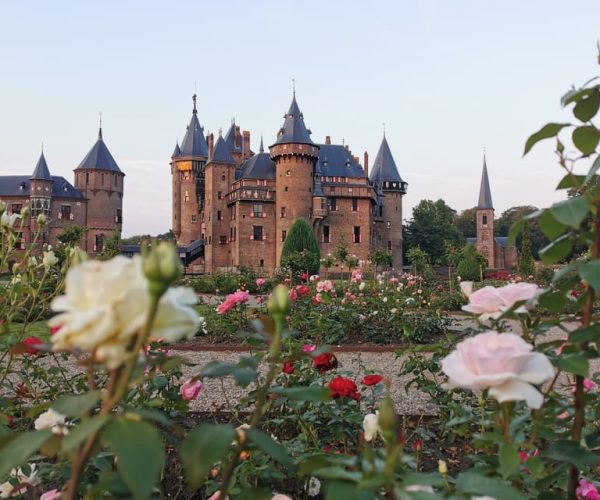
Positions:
(587, 107)
(588, 334)
(515, 229)
(571, 212)
(555, 301)
(344, 490)
(590, 272)
(509, 460)
(556, 251)
(571, 181)
(271, 447)
(572, 453)
(16, 451)
(471, 482)
(314, 394)
(592, 440)
(140, 451)
(202, 448)
(593, 169)
(82, 431)
(76, 406)
(574, 363)
(547, 131)
(586, 139)
(550, 226)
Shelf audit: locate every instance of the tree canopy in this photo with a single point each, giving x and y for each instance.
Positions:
(537, 238)
(301, 251)
(432, 228)
(466, 222)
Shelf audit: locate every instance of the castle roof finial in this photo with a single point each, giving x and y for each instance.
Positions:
(100, 127)
(485, 193)
(194, 99)
(384, 129)
(294, 87)
(262, 148)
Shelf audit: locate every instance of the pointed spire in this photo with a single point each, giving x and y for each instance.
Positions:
(221, 152)
(384, 167)
(177, 150)
(261, 149)
(294, 130)
(41, 171)
(99, 157)
(485, 193)
(194, 143)
(195, 111)
(100, 128)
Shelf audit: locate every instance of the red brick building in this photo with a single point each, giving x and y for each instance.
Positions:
(241, 204)
(95, 201)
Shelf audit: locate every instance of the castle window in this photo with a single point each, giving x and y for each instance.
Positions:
(116, 183)
(222, 240)
(210, 240)
(257, 210)
(219, 215)
(288, 173)
(102, 179)
(194, 219)
(16, 208)
(484, 220)
(282, 214)
(356, 234)
(388, 224)
(222, 177)
(355, 204)
(119, 218)
(65, 211)
(283, 235)
(286, 188)
(326, 235)
(380, 211)
(257, 233)
(262, 263)
(389, 245)
(99, 243)
(87, 178)
(219, 195)
(333, 204)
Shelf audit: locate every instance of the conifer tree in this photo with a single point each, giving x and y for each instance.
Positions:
(526, 264)
(300, 251)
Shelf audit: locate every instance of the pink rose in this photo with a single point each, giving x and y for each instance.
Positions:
(239, 297)
(324, 286)
(313, 278)
(190, 389)
(485, 302)
(501, 362)
(51, 495)
(587, 491)
(260, 282)
(316, 300)
(517, 292)
(308, 348)
(588, 385)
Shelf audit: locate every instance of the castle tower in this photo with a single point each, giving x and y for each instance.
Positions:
(485, 219)
(101, 181)
(294, 154)
(220, 174)
(389, 188)
(40, 196)
(187, 171)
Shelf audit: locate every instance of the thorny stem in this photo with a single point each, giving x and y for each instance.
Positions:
(579, 403)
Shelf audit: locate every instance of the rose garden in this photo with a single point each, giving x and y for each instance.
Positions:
(123, 379)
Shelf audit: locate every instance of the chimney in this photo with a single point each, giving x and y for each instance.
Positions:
(347, 147)
(211, 143)
(327, 139)
(237, 137)
(246, 143)
(366, 162)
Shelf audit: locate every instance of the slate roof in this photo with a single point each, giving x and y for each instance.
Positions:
(41, 171)
(99, 158)
(501, 240)
(221, 152)
(230, 139)
(336, 161)
(294, 130)
(485, 194)
(194, 143)
(259, 166)
(384, 166)
(19, 185)
(176, 151)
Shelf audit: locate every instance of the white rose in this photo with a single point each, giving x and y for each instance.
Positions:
(385, 299)
(49, 259)
(7, 490)
(501, 362)
(52, 420)
(362, 286)
(314, 487)
(371, 426)
(7, 220)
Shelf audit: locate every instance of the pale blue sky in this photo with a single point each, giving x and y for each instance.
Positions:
(448, 77)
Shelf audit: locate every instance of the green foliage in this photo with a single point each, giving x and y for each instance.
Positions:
(112, 246)
(300, 251)
(418, 259)
(472, 266)
(526, 264)
(512, 216)
(381, 257)
(466, 222)
(431, 228)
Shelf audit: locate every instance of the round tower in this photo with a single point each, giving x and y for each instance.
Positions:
(40, 197)
(101, 181)
(295, 155)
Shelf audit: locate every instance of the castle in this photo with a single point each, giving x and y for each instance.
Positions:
(240, 205)
(94, 202)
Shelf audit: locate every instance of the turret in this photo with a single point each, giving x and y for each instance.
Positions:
(485, 218)
(101, 181)
(40, 195)
(295, 155)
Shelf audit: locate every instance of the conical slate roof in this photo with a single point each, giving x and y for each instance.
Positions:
(294, 130)
(485, 193)
(384, 167)
(194, 143)
(221, 152)
(99, 157)
(176, 151)
(41, 171)
(260, 166)
(230, 139)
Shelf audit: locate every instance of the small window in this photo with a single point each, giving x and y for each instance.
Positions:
(99, 240)
(194, 219)
(389, 245)
(219, 195)
(119, 218)
(257, 233)
(283, 235)
(484, 220)
(102, 179)
(222, 177)
(355, 204)
(262, 263)
(381, 211)
(116, 180)
(288, 173)
(87, 178)
(388, 224)
(219, 215)
(333, 204)
(356, 234)
(257, 210)
(326, 235)
(222, 240)
(282, 214)
(16, 208)
(286, 188)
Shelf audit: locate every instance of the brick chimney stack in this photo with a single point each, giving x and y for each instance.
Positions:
(210, 139)
(327, 139)
(246, 143)
(366, 164)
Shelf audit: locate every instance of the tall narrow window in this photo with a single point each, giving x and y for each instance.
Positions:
(326, 235)
(257, 210)
(484, 220)
(355, 204)
(119, 218)
(333, 204)
(257, 233)
(102, 179)
(356, 234)
(283, 235)
(99, 246)
(219, 215)
(282, 215)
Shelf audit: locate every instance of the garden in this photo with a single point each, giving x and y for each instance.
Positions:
(120, 378)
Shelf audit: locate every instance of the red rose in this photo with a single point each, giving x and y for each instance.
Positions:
(29, 345)
(325, 362)
(303, 290)
(342, 387)
(293, 295)
(288, 367)
(417, 445)
(372, 379)
(304, 276)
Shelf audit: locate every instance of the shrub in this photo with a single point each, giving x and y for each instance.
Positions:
(300, 251)
(472, 266)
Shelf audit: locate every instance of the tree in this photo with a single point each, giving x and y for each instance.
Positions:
(381, 257)
(111, 247)
(514, 214)
(526, 264)
(431, 228)
(341, 252)
(418, 259)
(472, 266)
(300, 251)
(466, 222)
